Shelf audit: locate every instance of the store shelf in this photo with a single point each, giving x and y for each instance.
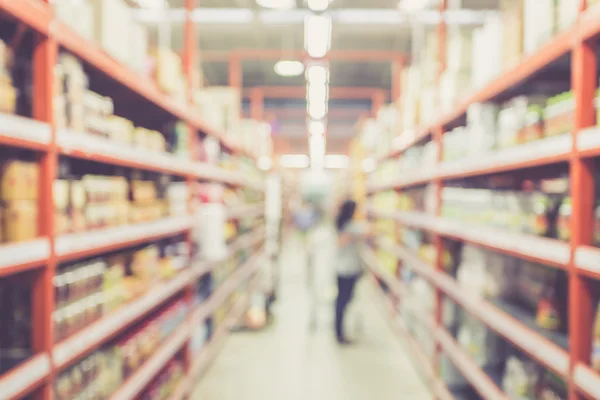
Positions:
(19, 257)
(101, 331)
(226, 288)
(246, 211)
(370, 260)
(33, 13)
(408, 141)
(134, 385)
(589, 27)
(537, 346)
(588, 142)
(540, 249)
(587, 380)
(482, 383)
(204, 171)
(23, 379)
(95, 148)
(25, 133)
(85, 244)
(587, 260)
(534, 154)
(408, 179)
(437, 386)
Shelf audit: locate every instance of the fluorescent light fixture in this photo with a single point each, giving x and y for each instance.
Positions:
(216, 16)
(368, 165)
(294, 161)
(316, 144)
(264, 163)
(336, 161)
(317, 109)
(317, 93)
(318, 5)
(289, 68)
(316, 127)
(277, 4)
(367, 16)
(317, 74)
(155, 4)
(317, 35)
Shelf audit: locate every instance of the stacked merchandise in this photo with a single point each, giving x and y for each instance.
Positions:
(19, 193)
(543, 209)
(16, 336)
(100, 199)
(8, 91)
(87, 290)
(101, 373)
(166, 382)
(80, 110)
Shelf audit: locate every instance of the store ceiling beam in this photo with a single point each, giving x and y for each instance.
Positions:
(348, 16)
(276, 54)
(299, 92)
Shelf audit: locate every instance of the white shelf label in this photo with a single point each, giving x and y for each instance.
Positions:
(19, 379)
(17, 127)
(21, 253)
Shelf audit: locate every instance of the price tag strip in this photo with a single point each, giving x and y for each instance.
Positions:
(587, 380)
(22, 128)
(100, 331)
(29, 373)
(91, 145)
(588, 259)
(23, 253)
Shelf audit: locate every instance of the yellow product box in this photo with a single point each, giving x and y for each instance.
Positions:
(8, 95)
(19, 180)
(168, 71)
(512, 19)
(20, 220)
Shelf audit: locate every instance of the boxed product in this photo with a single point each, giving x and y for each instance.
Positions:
(20, 220)
(168, 72)
(138, 48)
(512, 19)
(78, 15)
(227, 109)
(487, 58)
(112, 22)
(559, 114)
(566, 13)
(19, 180)
(539, 18)
(8, 93)
(459, 48)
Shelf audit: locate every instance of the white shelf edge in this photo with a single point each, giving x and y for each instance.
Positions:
(587, 379)
(588, 258)
(93, 144)
(19, 379)
(74, 346)
(588, 139)
(83, 241)
(22, 128)
(26, 252)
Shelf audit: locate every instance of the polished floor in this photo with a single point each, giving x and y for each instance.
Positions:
(297, 357)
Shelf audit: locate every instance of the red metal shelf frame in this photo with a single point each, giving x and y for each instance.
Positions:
(39, 134)
(577, 257)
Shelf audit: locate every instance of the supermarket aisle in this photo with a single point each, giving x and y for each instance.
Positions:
(290, 361)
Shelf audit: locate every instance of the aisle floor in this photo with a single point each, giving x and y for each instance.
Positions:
(294, 359)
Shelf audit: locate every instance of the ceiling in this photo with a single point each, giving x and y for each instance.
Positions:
(356, 27)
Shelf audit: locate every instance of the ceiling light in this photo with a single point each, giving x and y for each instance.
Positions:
(414, 5)
(317, 35)
(318, 5)
(317, 110)
(316, 127)
(264, 163)
(317, 74)
(336, 161)
(294, 161)
(289, 68)
(317, 93)
(317, 151)
(277, 4)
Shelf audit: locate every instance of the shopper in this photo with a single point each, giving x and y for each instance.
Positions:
(347, 262)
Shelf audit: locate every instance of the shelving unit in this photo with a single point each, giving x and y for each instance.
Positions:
(36, 377)
(577, 257)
